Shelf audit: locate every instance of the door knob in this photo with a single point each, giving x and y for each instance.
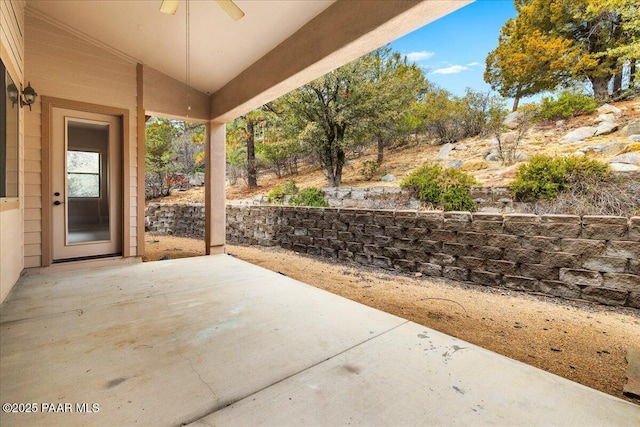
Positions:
(56, 194)
(57, 203)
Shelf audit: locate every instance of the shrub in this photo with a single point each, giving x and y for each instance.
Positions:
(543, 177)
(369, 169)
(458, 199)
(276, 195)
(448, 188)
(567, 104)
(310, 196)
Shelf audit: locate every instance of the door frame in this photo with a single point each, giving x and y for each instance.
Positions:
(48, 104)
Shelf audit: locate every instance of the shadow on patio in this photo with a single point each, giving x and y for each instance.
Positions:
(178, 341)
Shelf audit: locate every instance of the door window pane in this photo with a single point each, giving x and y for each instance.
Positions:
(83, 174)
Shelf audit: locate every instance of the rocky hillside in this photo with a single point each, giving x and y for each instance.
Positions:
(611, 134)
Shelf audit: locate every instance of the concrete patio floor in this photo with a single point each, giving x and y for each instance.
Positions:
(217, 341)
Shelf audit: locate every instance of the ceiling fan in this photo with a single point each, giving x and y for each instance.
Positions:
(171, 6)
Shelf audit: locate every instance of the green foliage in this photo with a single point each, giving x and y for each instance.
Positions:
(369, 169)
(446, 187)
(544, 177)
(310, 196)
(458, 199)
(567, 104)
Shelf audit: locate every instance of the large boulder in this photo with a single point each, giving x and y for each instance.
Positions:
(628, 158)
(632, 128)
(623, 167)
(607, 108)
(388, 178)
(603, 148)
(513, 120)
(605, 128)
(443, 154)
(579, 134)
(605, 118)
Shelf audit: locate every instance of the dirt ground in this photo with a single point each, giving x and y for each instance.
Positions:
(583, 342)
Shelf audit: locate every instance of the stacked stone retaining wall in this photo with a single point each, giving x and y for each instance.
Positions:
(595, 258)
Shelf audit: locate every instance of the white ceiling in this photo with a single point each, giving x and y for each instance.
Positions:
(220, 47)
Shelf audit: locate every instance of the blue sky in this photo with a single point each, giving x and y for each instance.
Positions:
(452, 50)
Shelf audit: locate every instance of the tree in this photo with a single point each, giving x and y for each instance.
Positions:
(395, 85)
(158, 137)
(329, 114)
(553, 43)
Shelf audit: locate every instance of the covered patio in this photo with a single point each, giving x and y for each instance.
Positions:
(217, 341)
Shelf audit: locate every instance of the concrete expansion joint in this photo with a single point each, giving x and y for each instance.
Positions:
(313, 365)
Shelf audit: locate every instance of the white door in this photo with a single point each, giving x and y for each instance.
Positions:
(86, 156)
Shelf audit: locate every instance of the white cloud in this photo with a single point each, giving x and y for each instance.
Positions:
(474, 64)
(419, 56)
(454, 69)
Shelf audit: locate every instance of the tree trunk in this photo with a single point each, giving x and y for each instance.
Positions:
(600, 87)
(252, 175)
(617, 83)
(516, 101)
(380, 149)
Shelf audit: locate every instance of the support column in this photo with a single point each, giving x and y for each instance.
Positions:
(214, 201)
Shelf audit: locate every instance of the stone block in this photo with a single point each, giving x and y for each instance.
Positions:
(384, 220)
(604, 227)
(484, 278)
(355, 247)
(329, 252)
(429, 269)
(455, 249)
(382, 240)
(605, 264)
(522, 255)
(623, 249)
(604, 295)
(560, 259)
(634, 228)
(471, 238)
(405, 220)
(380, 261)
(404, 244)
(395, 232)
(363, 218)
(300, 232)
(443, 235)
(430, 246)
(538, 243)
(457, 221)
(430, 219)
(522, 224)
(314, 250)
(417, 233)
(560, 225)
(486, 252)
(470, 263)
(539, 271)
(559, 289)
(455, 273)
(373, 250)
(634, 267)
(625, 282)
(520, 283)
(581, 277)
(373, 230)
(417, 256)
(404, 265)
(314, 232)
(345, 236)
(634, 299)
(362, 259)
(501, 267)
(393, 253)
(356, 228)
(340, 226)
(583, 246)
(492, 227)
(503, 241)
(442, 259)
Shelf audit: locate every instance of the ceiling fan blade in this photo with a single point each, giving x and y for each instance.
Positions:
(169, 6)
(230, 7)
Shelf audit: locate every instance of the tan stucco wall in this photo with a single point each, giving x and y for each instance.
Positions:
(12, 210)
